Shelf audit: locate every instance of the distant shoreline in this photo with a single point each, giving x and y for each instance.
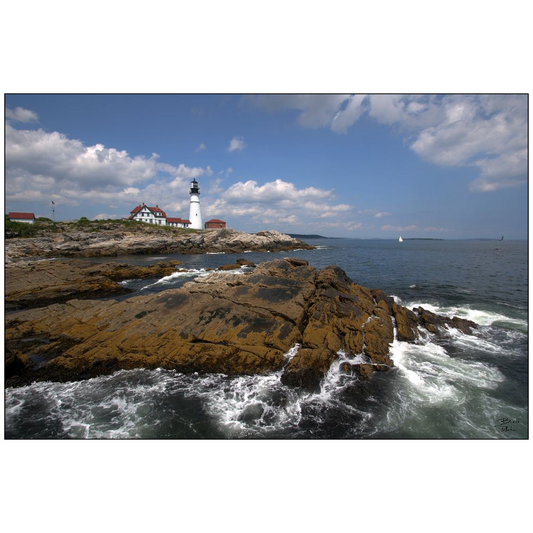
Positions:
(421, 239)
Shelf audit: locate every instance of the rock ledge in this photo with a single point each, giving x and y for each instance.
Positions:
(225, 322)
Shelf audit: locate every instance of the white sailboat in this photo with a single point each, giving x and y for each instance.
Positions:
(400, 239)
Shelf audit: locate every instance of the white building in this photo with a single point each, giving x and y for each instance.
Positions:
(155, 215)
(195, 215)
(178, 223)
(150, 215)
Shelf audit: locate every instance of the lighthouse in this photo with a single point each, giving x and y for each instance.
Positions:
(195, 216)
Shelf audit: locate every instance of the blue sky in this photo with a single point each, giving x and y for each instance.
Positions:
(363, 166)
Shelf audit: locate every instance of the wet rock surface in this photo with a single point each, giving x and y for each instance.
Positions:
(225, 323)
(41, 283)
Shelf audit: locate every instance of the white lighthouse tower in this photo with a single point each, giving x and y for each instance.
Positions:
(195, 216)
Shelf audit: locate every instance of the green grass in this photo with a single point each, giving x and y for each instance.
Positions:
(44, 225)
(21, 229)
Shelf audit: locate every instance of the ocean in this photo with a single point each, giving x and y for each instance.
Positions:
(454, 387)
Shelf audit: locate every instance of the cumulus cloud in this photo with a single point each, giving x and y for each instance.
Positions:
(237, 143)
(19, 114)
(37, 152)
(272, 192)
(41, 166)
(278, 203)
(484, 131)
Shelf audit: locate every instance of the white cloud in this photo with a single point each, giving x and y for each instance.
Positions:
(344, 118)
(201, 147)
(507, 170)
(237, 143)
(346, 225)
(278, 203)
(374, 213)
(105, 216)
(291, 219)
(400, 228)
(37, 152)
(335, 111)
(274, 191)
(183, 171)
(19, 114)
(386, 109)
(484, 131)
(41, 166)
(328, 211)
(214, 186)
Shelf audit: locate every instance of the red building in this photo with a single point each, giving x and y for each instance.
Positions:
(215, 223)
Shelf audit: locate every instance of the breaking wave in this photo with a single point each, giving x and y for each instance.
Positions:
(430, 393)
(483, 317)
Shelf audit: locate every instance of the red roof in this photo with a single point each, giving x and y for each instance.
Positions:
(28, 216)
(215, 220)
(178, 220)
(155, 210)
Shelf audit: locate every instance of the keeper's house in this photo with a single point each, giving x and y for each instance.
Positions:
(155, 215)
(151, 215)
(28, 218)
(215, 223)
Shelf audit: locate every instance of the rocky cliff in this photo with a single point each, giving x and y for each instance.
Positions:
(139, 238)
(225, 322)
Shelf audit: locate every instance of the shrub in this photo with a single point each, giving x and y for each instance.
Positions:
(19, 229)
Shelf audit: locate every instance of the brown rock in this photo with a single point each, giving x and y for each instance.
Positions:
(239, 263)
(341, 316)
(224, 322)
(364, 370)
(406, 323)
(307, 368)
(436, 323)
(38, 283)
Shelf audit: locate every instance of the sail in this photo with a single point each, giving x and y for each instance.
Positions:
(400, 239)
